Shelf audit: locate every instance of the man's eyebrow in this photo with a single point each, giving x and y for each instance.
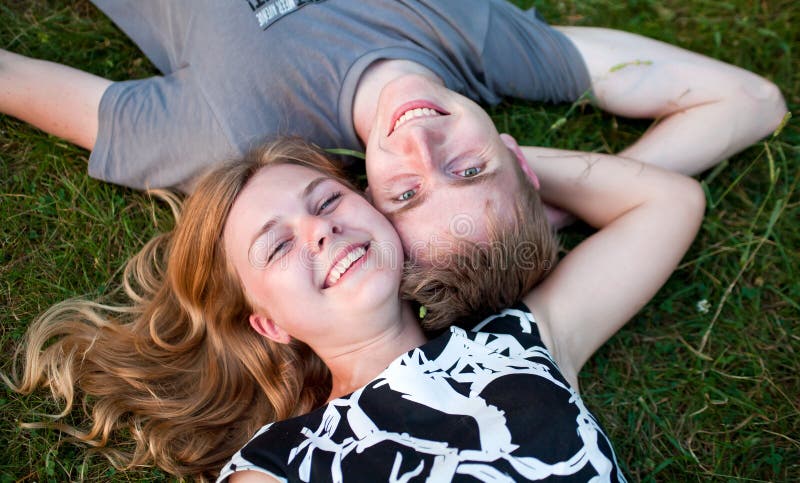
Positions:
(458, 183)
(310, 187)
(474, 180)
(407, 207)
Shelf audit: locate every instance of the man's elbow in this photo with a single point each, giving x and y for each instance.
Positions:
(694, 200)
(766, 106)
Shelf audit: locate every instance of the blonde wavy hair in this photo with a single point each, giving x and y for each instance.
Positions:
(177, 367)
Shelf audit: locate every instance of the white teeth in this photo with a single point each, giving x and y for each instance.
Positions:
(344, 264)
(419, 112)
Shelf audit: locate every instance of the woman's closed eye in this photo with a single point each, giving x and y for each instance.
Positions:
(279, 248)
(329, 204)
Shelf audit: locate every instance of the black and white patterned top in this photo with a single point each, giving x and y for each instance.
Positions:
(483, 405)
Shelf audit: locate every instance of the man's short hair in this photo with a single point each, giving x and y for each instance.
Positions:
(479, 279)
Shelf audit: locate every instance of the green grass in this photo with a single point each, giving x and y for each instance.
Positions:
(686, 394)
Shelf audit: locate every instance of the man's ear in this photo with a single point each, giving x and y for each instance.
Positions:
(512, 145)
(269, 329)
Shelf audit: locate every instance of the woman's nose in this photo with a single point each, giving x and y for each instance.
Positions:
(319, 232)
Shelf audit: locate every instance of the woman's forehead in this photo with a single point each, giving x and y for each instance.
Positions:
(282, 176)
(273, 185)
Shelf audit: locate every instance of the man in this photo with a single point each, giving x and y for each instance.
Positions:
(385, 77)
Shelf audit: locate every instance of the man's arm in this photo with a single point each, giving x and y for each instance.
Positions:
(707, 110)
(55, 98)
(647, 217)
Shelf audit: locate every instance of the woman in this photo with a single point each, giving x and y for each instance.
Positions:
(316, 272)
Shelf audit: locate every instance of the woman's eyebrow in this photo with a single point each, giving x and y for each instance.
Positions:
(313, 184)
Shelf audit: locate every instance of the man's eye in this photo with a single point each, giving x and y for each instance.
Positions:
(470, 172)
(407, 195)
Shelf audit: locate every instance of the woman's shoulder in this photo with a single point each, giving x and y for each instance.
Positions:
(245, 469)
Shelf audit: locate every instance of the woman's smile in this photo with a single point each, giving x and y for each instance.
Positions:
(348, 260)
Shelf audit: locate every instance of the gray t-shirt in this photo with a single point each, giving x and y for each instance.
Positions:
(239, 71)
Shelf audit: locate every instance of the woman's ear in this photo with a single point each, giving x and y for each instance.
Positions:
(269, 329)
(512, 145)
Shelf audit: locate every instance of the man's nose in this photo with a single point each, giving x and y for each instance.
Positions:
(421, 145)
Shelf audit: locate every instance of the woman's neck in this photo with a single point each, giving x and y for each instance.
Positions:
(355, 366)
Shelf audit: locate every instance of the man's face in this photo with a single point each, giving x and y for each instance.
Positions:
(436, 166)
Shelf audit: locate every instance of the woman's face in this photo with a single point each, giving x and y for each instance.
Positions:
(314, 257)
